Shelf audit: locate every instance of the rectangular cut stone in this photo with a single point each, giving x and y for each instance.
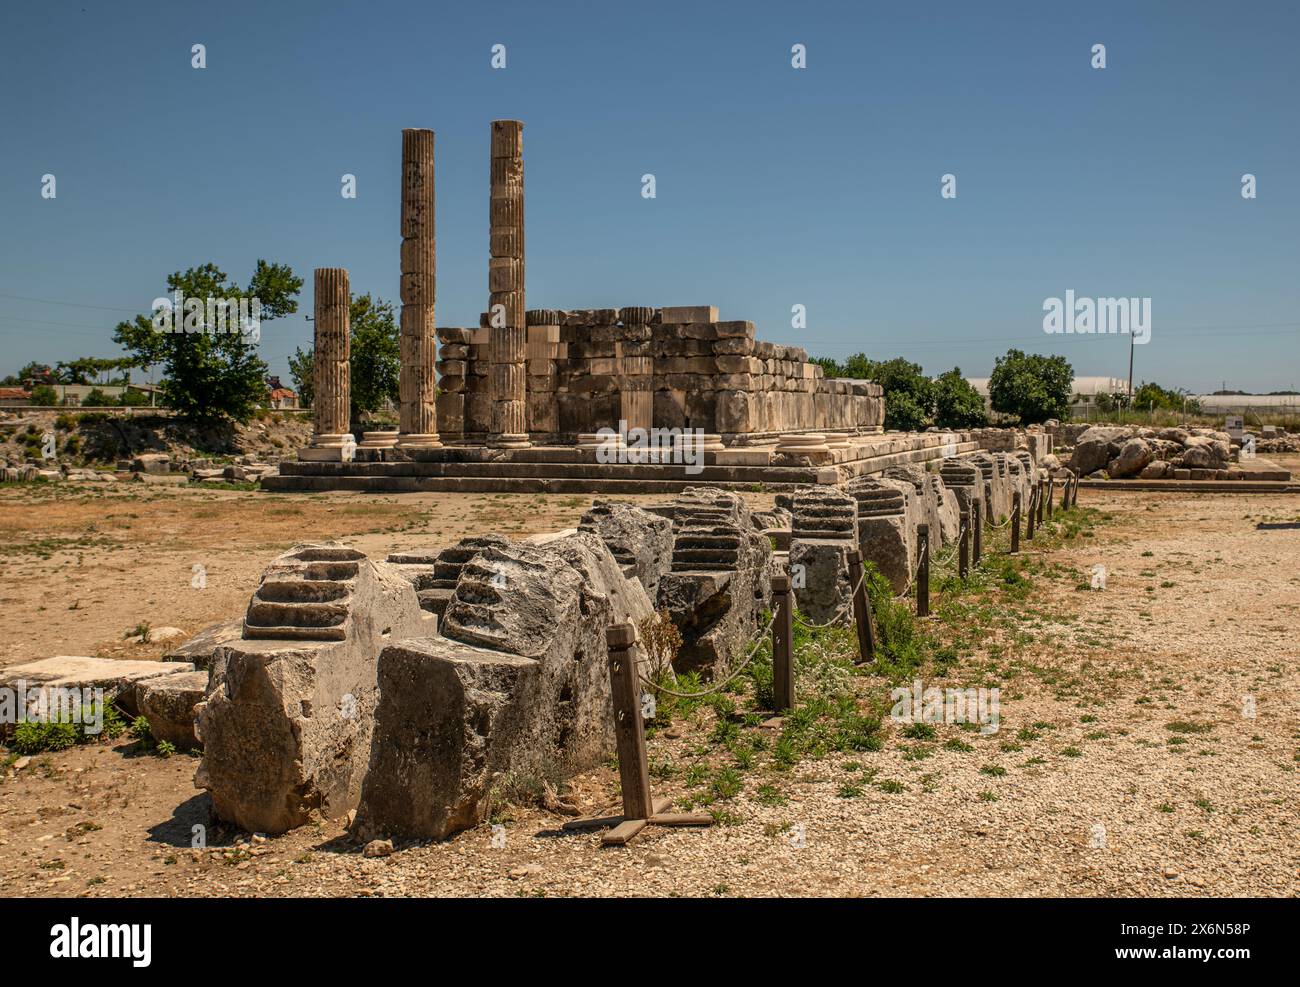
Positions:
(685, 314)
(735, 329)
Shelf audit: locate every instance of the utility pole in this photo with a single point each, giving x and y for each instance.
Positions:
(1131, 347)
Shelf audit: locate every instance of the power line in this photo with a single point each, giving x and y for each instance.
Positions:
(55, 301)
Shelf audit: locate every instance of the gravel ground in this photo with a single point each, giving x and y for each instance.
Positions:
(1129, 766)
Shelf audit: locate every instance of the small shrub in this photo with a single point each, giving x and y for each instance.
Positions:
(35, 737)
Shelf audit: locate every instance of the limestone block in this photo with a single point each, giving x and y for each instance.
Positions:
(683, 315)
(119, 678)
(168, 704)
(198, 649)
(641, 542)
(287, 721)
(819, 569)
(518, 686)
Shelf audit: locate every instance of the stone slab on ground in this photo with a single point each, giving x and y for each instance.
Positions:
(113, 675)
(198, 649)
(168, 702)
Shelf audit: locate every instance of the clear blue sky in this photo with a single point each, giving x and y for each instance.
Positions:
(775, 186)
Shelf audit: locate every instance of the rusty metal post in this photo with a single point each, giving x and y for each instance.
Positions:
(1051, 494)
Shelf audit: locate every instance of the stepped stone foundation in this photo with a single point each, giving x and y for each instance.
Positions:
(517, 684)
(719, 580)
(823, 532)
(287, 718)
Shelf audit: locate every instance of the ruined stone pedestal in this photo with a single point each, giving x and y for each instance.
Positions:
(719, 581)
(823, 531)
(286, 724)
(886, 535)
(378, 440)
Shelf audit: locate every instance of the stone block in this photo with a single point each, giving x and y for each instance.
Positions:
(287, 721)
(168, 702)
(685, 314)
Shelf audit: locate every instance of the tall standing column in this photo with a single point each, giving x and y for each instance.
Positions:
(331, 378)
(507, 339)
(417, 384)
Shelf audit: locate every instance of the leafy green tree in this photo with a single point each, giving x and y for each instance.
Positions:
(1152, 396)
(909, 393)
(44, 394)
(302, 365)
(1032, 387)
(376, 355)
(91, 370)
(98, 399)
(211, 374)
(956, 403)
(374, 363)
(38, 372)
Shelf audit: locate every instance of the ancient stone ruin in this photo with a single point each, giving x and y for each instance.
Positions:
(529, 398)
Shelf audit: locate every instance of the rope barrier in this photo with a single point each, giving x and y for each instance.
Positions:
(753, 646)
(841, 612)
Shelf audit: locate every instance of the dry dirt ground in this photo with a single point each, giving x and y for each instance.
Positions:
(1149, 739)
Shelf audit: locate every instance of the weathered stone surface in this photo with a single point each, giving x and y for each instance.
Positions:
(683, 315)
(286, 724)
(168, 702)
(518, 686)
(118, 677)
(1096, 447)
(720, 579)
(1134, 455)
(199, 648)
(641, 542)
(1159, 470)
(886, 527)
(819, 569)
(151, 462)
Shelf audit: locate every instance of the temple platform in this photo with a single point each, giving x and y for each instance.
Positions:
(566, 469)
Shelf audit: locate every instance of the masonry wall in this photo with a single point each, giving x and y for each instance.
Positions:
(665, 368)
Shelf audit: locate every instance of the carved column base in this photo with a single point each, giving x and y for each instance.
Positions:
(419, 440)
(333, 447)
(508, 441)
(378, 440)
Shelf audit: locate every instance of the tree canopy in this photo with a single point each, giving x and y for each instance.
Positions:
(374, 362)
(1030, 386)
(912, 400)
(210, 371)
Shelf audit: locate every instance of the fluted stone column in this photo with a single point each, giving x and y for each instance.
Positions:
(331, 379)
(417, 383)
(507, 333)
